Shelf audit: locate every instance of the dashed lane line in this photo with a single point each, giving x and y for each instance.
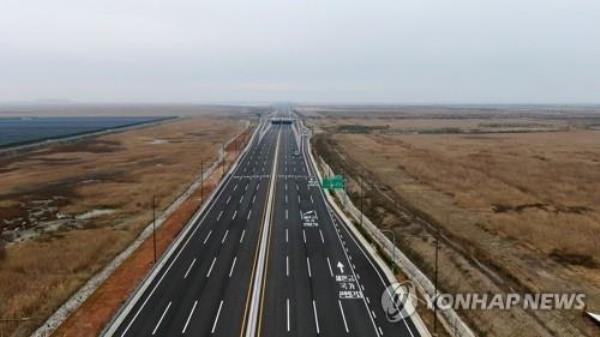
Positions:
(161, 318)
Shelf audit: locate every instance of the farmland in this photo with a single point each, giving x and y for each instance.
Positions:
(67, 209)
(514, 195)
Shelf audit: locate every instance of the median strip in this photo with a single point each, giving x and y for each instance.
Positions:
(253, 319)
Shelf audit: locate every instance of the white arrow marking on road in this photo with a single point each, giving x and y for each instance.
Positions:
(340, 266)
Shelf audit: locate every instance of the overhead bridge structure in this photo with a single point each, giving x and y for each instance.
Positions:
(282, 121)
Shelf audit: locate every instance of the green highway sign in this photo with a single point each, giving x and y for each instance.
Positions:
(334, 182)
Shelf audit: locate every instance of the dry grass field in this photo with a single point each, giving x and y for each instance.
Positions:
(68, 209)
(518, 207)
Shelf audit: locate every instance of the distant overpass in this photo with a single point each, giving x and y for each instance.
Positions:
(282, 120)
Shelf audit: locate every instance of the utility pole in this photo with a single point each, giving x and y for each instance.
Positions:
(154, 225)
(394, 249)
(223, 161)
(345, 195)
(435, 282)
(202, 180)
(435, 304)
(361, 201)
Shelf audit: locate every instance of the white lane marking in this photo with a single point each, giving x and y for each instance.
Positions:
(169, 266)
(304, 235)
(211, 266)
(189, 268)
(341, 240)
(234, 214)
(308, 266)
(225, 236)
(312, 201)
(287, 304)
(380, 331)
(217, 318)
(257, 186)
(368, 299)
(242, 237)
(316, 317)
(161, 318)
(219, 216)
(232, 266)
(286, 186)
(299, 198)
(286, 199)
(253, 199)
(189, 317)
(343, 316)
(259, 276)
(286, 214)
(228, 200)
(287, 266)
(241, 199)
(246, 188)
(322, 238)
(236, 185)
(330, 269)
(373, 313)
(249, 214)
(286, 235)
(208, 236)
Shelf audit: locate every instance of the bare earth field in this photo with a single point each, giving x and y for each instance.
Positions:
(516, 198)
(66, 210)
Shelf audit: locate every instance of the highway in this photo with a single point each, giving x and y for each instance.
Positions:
(203, 288)
(320, 282)
(268, 257)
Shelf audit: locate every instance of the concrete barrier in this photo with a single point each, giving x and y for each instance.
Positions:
(451, 321)
(77, 299)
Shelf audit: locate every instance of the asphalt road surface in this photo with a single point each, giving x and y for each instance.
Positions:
(318, 281)
(203, 288)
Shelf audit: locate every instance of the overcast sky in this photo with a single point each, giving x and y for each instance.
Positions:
(398, 51)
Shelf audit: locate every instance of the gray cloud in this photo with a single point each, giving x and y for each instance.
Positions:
(338, 50)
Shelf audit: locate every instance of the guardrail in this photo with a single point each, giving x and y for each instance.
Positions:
(452, 322)
(127, 306)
